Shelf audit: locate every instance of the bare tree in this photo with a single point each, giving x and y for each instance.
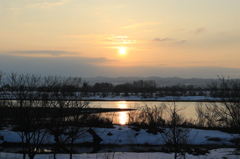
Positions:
(201, 115)
(150, 117)
(69, 114)
(1, 77)
(42, 105)
(175, 135)
(206, 116)
(28, 112)
(226, 106)
(1, 97)
(166, 120)
(75, 123)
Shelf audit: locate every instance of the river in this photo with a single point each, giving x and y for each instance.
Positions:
(187, 109)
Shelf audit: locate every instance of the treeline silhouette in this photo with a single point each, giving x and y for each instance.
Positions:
(143, 88)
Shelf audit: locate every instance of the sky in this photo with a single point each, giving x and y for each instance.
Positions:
(113, 38)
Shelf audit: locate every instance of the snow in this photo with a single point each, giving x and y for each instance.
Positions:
(136, 98)
(214, 154)
(125, 135)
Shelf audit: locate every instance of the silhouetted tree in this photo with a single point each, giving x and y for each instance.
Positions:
(123, 88)
(66, 123)
(226, 108)
(2, 93)
(144, 87)
(28, 112)
(102, 87)
(85, 88)
(175, 135)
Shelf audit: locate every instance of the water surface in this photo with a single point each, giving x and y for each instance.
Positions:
(187, 109)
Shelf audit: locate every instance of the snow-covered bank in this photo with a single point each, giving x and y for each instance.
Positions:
(136, 98)
(125, 135)
(213, 154)
(133, 98)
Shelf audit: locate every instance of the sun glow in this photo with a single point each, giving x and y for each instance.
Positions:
(122, 50)
(123, 116)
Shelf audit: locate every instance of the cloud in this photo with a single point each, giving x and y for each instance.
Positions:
(137, 25)
(41, 52)
(97, 60)
(162, 39)
(15, 11)
(199, 30)
(107, 38)
(46, 4)
(89, 67)
(174, 41)
(66, 66)
(116, 39)
(182, 42)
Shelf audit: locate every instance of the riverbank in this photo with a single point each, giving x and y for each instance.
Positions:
(161, 99)
(139, 98)
(124, 140)
(213, 154)
(223, 153)
(129, 135)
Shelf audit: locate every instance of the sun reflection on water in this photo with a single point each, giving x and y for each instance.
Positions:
(123, 116)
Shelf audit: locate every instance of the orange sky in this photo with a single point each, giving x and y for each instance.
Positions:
(157, 35)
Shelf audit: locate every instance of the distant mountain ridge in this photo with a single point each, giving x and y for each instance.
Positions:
(166, 81)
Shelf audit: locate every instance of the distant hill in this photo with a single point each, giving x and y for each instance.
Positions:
(168, 81)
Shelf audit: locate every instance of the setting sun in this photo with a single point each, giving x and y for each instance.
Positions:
(122, 50)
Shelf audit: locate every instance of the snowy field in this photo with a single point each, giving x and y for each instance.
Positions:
(214, 154)
(135, 98)
(125, 135)
(139, 98)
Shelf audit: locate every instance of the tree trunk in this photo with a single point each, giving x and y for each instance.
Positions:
(175, 155)
(31, 156)
(56, 145)
(71, 150)
(24, 155)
